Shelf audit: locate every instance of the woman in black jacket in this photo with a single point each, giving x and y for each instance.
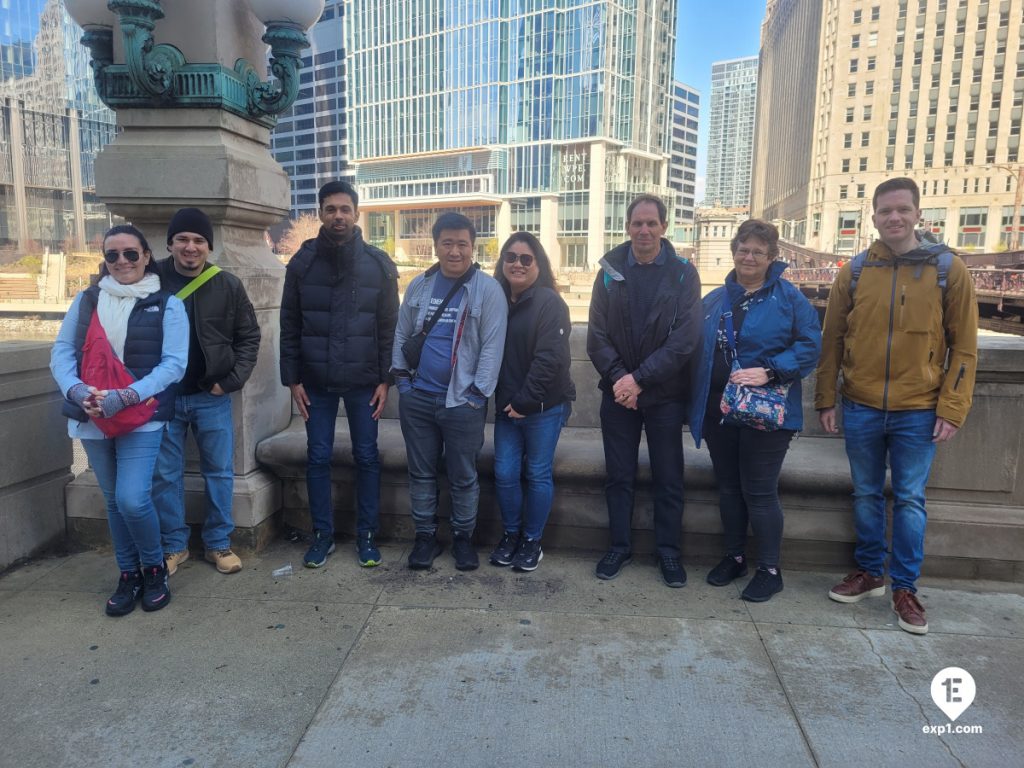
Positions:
(533, 398)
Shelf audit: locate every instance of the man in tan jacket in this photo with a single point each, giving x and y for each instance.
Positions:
(902, 326)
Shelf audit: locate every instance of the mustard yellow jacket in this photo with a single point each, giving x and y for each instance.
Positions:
(891, 340)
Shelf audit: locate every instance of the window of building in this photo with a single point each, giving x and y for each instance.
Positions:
(855, 41)
(853, 65)
(849, 114)
(875, 11)
(851, 89)
(865, 138)
(843, 191)
(867, 112)
(871, 63)
(869, 87)
(973, 222)
(846, 165)
(847, 140)
(862, 164)
(857, 13)
(860, 190)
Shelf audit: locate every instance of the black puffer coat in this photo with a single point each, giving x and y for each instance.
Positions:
(338, 315)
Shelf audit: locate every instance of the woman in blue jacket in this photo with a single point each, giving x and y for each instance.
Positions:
(777, 339)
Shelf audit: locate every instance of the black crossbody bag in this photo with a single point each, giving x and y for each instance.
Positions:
(412, 348)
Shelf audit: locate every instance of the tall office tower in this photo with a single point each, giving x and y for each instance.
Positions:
(524, 115)
(682, 175)
(857, 91)
(733, 107)
(52, 125)
(310, 138)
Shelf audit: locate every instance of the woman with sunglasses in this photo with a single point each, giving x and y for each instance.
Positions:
(148, 331)
(532, 400)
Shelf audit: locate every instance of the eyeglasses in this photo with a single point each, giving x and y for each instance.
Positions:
(511, 257)
(130, 254)
(747, 252)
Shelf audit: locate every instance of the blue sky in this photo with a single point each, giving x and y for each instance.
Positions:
(708, 31)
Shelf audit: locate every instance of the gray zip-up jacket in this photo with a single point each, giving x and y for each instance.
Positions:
(480, 335)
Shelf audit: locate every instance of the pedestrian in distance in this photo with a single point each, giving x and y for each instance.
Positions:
(533, 399)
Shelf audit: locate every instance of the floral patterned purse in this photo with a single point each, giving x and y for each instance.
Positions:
(762, 408)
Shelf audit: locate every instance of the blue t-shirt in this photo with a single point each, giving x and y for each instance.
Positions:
(435, 369)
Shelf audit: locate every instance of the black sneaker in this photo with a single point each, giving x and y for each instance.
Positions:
(129, 587)
(464, 553)
(763, 585)
(426, 548)
(528, 556)
(155, 592)
(672, 571)
(612, 563)
(727, 571)
(505, 552)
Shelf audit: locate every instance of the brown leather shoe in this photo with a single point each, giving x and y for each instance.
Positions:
(856, 586)
(910, 612)
(174, 559)
(225, 560)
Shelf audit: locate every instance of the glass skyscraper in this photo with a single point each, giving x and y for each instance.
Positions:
(52, 125)
(310, 138)
(731, 132)
(539, 115)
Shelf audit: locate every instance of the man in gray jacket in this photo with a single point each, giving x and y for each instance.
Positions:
(444, 378)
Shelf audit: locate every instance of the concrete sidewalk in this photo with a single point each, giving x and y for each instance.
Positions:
(388, 667)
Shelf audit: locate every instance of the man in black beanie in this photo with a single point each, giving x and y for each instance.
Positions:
(218, 310)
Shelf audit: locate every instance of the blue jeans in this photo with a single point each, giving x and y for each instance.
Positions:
(209, 417)
(532, 438)
(620, 431)
(430, 429)
(124, 471)
(905, 437)
(362, 429)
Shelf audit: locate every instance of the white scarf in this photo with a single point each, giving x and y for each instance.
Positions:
(116, 303)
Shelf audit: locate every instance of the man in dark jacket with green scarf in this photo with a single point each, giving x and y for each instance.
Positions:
(338, 316)
(224, 339)
(645, 326)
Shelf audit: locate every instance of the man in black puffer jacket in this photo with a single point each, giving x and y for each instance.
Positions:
(338, 317)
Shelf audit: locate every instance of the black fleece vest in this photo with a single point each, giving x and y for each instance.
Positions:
(143, 346)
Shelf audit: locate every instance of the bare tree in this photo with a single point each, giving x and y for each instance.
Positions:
(303, 228)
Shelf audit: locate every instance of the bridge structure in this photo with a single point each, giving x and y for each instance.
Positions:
(998, 282)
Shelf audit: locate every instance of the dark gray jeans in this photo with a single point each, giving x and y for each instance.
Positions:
(431, 430)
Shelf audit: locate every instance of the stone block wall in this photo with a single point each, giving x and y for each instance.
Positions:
(35, 453)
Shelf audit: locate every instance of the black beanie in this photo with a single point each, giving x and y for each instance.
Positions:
(190, 220)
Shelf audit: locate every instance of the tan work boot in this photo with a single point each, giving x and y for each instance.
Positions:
(225, 560)
(174, 559)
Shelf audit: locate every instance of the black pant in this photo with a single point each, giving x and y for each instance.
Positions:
(747, 465)
(620, 431)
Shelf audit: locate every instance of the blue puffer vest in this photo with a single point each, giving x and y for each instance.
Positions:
(143, 347)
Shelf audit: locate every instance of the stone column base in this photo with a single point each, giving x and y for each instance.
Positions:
(256, 500)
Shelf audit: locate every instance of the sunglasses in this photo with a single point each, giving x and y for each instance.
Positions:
(130, 254)
(526, 259)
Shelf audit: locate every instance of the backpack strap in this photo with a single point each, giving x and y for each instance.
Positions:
(856, 266)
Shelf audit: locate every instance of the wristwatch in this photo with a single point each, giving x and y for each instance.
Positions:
(772, 376)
